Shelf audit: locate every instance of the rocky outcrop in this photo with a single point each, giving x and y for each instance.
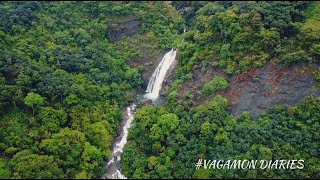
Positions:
(120, 29)
(259, 89)
(272, 85)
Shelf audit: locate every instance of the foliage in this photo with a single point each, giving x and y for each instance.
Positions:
(63, 83)
(28, 166)
(208, 131)
(216, 84)
(238, 37)
(34, 100)
(18, 13)
(296, 57)
(245, 35)
(317, 75)
(4, 171)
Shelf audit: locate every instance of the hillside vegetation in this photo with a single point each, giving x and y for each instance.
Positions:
(63, 84)
(231, 39)
(68, 69)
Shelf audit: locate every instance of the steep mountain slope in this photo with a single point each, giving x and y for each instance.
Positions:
(266, 63)
(245, 86)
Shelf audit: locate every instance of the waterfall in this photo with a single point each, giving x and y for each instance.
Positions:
(112, 167)
(155, 82)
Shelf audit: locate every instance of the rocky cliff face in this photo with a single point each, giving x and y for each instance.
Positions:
(271, 85)
(259, 89)
(122, 28)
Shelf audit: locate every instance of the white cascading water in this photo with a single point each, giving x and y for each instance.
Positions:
(155, 82)
(113, 166)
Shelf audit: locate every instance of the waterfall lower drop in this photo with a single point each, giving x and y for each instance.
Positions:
(155, 82)
(113, 166)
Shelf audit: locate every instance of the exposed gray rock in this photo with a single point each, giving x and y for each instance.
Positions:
(268, 88)
(148, 64)
(128, 27)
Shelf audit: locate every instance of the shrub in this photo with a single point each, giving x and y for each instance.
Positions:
(296, 57)
(245, 64)
(317, 75)
(216, 84)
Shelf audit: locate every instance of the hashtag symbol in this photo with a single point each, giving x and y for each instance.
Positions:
(199, 164)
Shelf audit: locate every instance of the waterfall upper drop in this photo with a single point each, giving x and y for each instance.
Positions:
(155, 82)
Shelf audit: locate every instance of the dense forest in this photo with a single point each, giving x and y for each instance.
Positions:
(64, 84)
(68, 69)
